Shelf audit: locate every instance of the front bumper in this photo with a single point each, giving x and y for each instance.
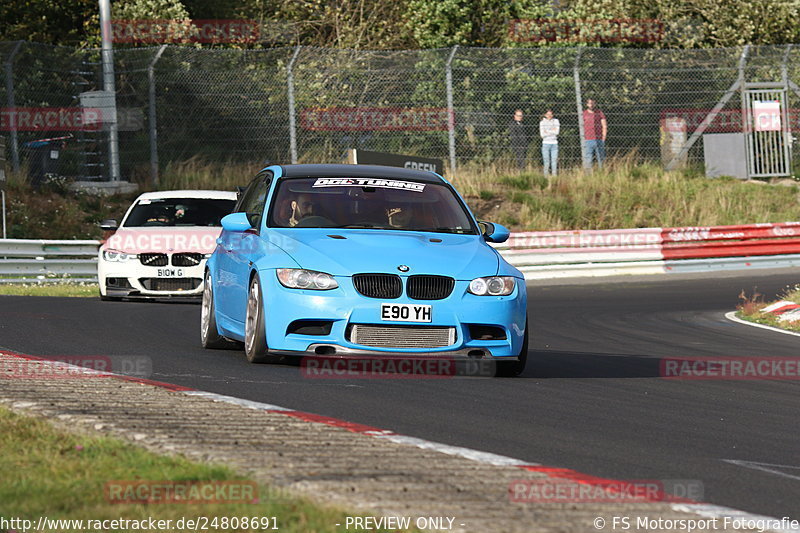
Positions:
(134, 280)
(343, 307)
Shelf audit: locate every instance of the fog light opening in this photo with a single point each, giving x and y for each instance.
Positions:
(325, 350)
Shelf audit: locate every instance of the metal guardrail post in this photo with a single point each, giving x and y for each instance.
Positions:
(9, 67)
(151, 119)
(451, 118)
(290, 95)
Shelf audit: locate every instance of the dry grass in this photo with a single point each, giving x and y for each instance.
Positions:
(751, 307)
(626, 193)
(198, 174)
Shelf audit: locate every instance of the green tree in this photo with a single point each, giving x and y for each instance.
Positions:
(46, 21)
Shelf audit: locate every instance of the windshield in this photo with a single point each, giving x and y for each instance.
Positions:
(377, 203)
(178, 212)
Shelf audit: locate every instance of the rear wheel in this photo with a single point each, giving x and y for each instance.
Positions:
(255, 334)
(510, 369)
(209, 336)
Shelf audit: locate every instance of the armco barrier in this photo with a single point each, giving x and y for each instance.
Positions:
(34, 261)
(557, 254)
(538, 254)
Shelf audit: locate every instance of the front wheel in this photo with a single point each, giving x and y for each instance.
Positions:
(255, 334)
(510, 369)
(209, 336)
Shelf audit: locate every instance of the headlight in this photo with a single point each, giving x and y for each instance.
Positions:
(297, 278)
(117, 257)
(492, 286)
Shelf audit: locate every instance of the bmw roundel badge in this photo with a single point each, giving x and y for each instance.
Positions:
(403, 268)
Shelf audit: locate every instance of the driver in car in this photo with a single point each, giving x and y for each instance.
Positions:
(302, 207)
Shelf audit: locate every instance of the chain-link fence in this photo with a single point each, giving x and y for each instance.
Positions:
(179, 103)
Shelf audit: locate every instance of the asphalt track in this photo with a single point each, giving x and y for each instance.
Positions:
(591, 400)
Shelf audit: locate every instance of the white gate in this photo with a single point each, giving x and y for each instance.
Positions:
(766, 128)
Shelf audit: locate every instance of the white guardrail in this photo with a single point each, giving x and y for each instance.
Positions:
(36, 261)
(538, 254)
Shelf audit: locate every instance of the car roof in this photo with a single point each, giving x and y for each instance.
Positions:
(359, 171)
(207, 194)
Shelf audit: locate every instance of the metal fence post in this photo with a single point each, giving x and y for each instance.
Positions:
(290, 94)
(3, 182)
(785, 108)
(579, 105)
(11, 105)
(151, 118)
(451, 117)
(109, 86)
(746, 122)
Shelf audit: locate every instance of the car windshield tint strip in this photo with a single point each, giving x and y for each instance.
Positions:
(369, 182)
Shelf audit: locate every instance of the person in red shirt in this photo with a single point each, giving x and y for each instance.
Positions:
(595, 128)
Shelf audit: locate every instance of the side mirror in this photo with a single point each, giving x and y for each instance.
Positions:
(237, 222)
(109, 225)
(494, 232)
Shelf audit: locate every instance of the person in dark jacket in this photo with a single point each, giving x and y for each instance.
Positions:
(519, 139)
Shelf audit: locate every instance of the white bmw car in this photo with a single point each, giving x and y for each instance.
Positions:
(160, 248)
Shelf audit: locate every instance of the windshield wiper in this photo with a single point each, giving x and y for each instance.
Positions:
(442, 230)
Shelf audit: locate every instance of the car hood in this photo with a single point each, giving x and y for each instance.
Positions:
(463, 257)
(181, 239)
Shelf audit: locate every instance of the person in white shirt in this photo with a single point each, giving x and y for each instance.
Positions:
(549, 127)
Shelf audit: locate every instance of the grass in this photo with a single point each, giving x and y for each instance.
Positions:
(751, 309)
(626, 193)
(56, 213)
(50, 289)
(53, 473)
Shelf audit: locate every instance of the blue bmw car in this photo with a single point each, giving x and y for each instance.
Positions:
(362, 261)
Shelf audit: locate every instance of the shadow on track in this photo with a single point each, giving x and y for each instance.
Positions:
(560, 364)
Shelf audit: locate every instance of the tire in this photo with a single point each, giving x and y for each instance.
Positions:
(209, 336)
(255, 334)
(510, 369)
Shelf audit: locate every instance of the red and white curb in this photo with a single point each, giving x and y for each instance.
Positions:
(677, 504)
(732, 317)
